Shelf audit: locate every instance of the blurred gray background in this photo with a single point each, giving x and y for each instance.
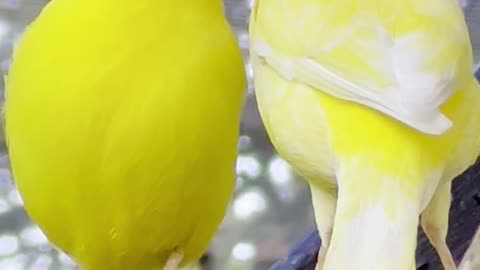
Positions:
(271, 207)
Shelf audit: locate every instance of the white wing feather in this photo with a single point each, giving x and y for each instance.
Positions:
(414, 98)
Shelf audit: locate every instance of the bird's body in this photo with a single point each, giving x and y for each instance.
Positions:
(122, 124)
(377, 159)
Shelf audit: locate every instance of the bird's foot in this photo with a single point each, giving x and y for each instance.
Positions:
(440, 245)
(322, 253)
(446, 257)
(173, 260)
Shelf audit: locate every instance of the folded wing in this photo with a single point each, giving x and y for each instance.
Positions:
(403, 66)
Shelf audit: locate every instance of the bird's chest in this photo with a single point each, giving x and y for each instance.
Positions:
(296, 124)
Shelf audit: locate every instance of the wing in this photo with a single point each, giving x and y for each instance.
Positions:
(401, 60)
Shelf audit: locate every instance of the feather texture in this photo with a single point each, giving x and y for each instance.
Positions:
(388, 72)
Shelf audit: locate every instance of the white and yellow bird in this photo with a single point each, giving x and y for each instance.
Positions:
(375, 104)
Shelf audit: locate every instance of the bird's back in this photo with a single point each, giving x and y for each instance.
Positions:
(356, 40)
(122, 123)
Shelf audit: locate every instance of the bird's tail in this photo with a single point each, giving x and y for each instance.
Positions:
(375, 225)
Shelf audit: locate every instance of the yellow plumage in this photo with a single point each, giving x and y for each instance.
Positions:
(373, 102)
(122, 123)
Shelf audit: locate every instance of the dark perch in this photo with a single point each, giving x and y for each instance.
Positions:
(464, 221)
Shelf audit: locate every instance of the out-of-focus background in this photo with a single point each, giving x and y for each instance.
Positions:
(271, 207)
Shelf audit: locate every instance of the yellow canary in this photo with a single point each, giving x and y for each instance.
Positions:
(374, 103)
(122, 119)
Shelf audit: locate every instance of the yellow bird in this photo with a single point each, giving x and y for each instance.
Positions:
(122, 121)
(374, 103)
